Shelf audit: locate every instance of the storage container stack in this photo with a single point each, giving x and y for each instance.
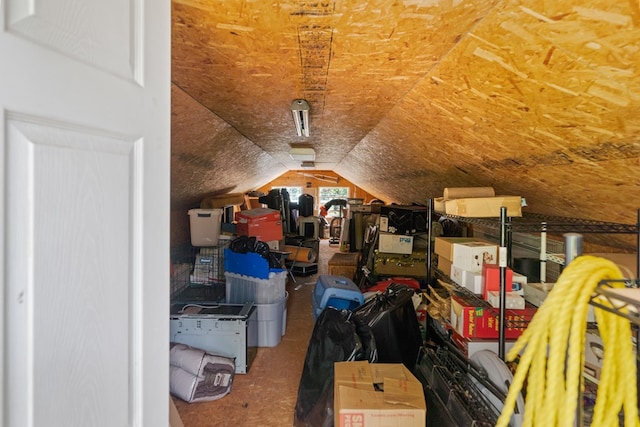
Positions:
(472, 263)
(198, 268)
(250, 278)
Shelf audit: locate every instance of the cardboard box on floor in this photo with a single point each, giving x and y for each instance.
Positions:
(357, 403)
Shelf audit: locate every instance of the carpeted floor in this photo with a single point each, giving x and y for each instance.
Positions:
(267, 394)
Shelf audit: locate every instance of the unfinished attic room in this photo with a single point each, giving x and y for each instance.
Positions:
(405, 213)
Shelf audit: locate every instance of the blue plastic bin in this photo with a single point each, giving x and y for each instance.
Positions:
(335, 291)
(249, 264)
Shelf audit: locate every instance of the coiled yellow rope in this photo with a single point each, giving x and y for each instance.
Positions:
(552, 358)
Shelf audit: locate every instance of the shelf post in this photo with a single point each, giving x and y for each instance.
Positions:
(429, 242)
(502, 262)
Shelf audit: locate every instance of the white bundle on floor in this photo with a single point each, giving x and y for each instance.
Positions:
(197, 376)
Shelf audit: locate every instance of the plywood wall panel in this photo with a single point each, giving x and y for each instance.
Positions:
(209, 157)
(536, 98)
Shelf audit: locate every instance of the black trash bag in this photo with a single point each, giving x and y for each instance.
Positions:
(246, 244)
(337, 336)
(393, 321)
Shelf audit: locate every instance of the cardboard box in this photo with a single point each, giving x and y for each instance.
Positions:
(395, 243)
(257, 215)
(469, 346)
(444, 265)
(473, 318)
(484, 207)
(358, 404)
(627, 263)
(472, 256)
(443, 246)
(264, 231)
(491, 279)
(471, 280)
(535, 293)
(513, 300)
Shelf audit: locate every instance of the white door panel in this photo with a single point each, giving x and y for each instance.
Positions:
(98, 33)
(84, 123)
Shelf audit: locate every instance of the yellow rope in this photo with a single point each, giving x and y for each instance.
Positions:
(551, 353)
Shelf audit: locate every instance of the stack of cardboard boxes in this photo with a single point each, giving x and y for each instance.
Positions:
(474, 320)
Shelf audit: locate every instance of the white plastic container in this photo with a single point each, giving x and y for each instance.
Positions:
(270, 322)
(205, 226)
(284, 314)
(241, 288)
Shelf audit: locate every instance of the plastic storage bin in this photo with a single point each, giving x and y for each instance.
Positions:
(335, 291)
(271, 320)
(249, 264)
(241, 288)
(205, 226)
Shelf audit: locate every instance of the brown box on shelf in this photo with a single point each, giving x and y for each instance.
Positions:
(443, 246)
(444, 265)
(627, 263)
(484, 207)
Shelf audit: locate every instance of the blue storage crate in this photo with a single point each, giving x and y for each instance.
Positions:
(249, 264)
(335, 291)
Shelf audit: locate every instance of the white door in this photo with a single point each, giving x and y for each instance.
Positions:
(84, 218)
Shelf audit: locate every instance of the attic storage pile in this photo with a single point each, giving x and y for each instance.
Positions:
(455, 353)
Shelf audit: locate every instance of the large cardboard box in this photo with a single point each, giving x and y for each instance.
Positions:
(627, 263)
(358, 404)
(443, 246)
(263, 231)
(474, 318)
(444, 265)
(484, 207)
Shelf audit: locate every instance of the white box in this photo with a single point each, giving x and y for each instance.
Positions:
(535, 293)
(513, 300)
(205, 226)
(471, 280)
(470, 346)
(471, 255)
(395, 243)
(519, 280)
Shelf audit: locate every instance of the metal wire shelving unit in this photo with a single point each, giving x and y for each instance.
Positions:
(531, 223)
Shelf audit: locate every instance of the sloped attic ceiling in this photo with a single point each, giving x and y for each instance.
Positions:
(535, 98)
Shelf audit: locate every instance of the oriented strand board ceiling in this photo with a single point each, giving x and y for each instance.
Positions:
(535, 98)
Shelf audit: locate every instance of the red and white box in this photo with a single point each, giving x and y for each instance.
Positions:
(491, 279)
(262, 223)
(473, 318)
